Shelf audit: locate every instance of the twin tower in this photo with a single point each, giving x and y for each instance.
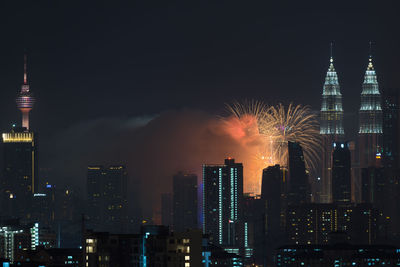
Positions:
(369, 127)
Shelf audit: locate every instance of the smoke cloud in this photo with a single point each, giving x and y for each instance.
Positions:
(153, 148)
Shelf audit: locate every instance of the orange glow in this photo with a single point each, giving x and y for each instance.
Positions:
(263, 133)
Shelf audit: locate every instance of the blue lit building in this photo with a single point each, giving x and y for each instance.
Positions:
(222, 204)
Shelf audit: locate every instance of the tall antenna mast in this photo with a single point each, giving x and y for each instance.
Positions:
(370, 51)
(25, 69)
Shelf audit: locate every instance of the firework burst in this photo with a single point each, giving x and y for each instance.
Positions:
(294, 124)
(266, 130)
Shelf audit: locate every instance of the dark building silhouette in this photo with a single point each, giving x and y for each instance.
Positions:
(42, 256)
(184, 202)
(391, 157)
(337, 254)
(298, 186)
(374, 186)
(341, 173)
(391, 128)
(154, 246)
(20, 172)
(378, 190)
(222, 204)
(166, 209)
(253, 216)
(273, 197)
(107, 197)
(95, 191)
(312, 223)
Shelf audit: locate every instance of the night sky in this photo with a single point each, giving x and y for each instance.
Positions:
(92, 61)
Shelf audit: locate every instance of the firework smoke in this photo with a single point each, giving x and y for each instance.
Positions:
(269, 128)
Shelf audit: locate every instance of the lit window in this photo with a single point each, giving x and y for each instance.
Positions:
(187, 258)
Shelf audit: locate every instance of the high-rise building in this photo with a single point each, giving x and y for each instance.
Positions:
(14, 237)
(341, 173)
(95, 191)
(312, 223)
(272, 192)
(331, 128)
(370, 120)
(184, 202)
(298, 186)
(222, 204)
(107, 197)
(253, 216)
(374, 186)
(116, 190)
(391, 128)
(20, 174)
(273, 197)
(391, 155)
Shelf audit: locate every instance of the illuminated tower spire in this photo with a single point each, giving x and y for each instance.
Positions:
(331, 128)
(25, 99)
(331, 108)
(370, 118)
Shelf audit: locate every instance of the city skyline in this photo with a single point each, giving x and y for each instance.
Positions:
(199, 134)
(25, 120)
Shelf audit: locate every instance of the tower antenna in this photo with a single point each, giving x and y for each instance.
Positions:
(370, 51)
(25, 68)
(331, 51)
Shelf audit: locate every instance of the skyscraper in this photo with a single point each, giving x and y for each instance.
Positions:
(341, 173)
(116, 190)
(331, 128)
(20, 175)
(298, 186)
(107, 197)
(273, 197)
(370, 120)
(391, 128)
(95, 191)
(374, 187)
(184, 202)
(222, 203)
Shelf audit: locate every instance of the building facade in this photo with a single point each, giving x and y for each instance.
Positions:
(184, 202)
(107, 197)
(370, 120)
(331, 128)
(298, 186)
(222, 204)
(341, 173)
